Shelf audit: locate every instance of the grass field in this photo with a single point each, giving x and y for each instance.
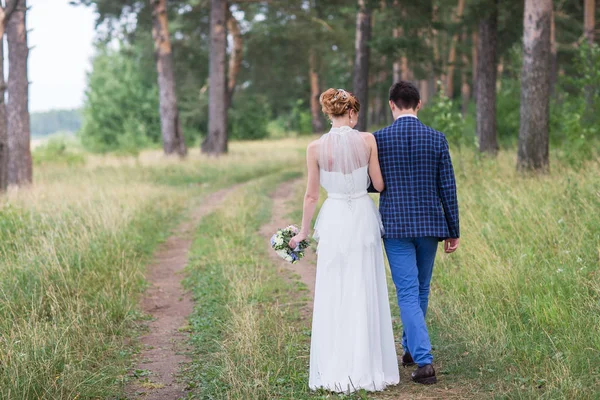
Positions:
(515, 313)
(73, 250)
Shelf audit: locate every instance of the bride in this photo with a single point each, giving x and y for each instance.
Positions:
(352, 344)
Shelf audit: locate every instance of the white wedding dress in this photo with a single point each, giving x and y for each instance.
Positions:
(352, 344)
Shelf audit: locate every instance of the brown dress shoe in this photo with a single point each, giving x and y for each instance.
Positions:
(424, 375)
(407, 360)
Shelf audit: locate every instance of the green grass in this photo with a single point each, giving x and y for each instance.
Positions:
(515, 313)
(70, 278)
(518, 307)
(248, 344)
(248, 337)
(73, 251)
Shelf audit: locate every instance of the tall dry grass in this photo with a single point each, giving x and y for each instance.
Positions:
(515, 313)
(518, 306)
(73, 249)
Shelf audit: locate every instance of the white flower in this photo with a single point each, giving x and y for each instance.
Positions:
(279, 241)
(282, 253)
(559, 270)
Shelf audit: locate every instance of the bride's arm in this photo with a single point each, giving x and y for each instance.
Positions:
(311, 197)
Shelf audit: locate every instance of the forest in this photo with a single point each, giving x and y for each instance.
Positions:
(455, 50)
(55, 121)
(135, 255)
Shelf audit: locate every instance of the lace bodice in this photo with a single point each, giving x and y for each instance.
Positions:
(343, 162)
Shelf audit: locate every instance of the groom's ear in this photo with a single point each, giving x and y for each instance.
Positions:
(418, 106)
(392, 105)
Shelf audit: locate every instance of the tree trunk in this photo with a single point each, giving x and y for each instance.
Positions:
(589, 25)
(237, 53)
(424, 91)
(499, 72)
(3, 123)
(474, 56)
(435, 45)
(361, 62)
(452, 54)
(397, 65)
(17, 109)
(380, 103)
(589, 20)
(535, 87)
(465, 88)
(553, 54)
(407, 74)
(371, 119)
(216, 140)
(315, 91)
(486, 80)
(170, 125)
(377, 107)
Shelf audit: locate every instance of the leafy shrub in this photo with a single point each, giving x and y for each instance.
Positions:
(249, 117)
(508, 112)
(297, 122)
(443, 115)
(121, 106)
(193, 111)
(134, 137)
(300, 118)
(57, 150)
(574, 122)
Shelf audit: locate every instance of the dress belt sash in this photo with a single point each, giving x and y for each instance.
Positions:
(344, 196)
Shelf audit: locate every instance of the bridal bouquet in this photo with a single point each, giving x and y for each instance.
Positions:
(280, 240)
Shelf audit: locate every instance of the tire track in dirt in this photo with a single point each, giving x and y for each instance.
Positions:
(166, 301)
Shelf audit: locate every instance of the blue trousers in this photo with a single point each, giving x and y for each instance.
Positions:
(411, 263)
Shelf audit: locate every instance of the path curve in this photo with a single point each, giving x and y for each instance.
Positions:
(166, 301)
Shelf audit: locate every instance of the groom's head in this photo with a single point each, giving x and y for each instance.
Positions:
(404, 98)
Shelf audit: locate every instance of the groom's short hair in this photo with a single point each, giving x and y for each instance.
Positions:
(405, 95)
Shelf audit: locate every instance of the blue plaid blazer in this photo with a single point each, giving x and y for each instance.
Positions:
(420, 190)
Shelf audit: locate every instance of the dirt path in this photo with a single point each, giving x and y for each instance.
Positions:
(164, 347)
(305, 271)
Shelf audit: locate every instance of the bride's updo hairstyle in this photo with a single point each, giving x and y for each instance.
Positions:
(337, 102)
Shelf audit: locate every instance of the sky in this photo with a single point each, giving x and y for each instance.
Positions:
(62, 38)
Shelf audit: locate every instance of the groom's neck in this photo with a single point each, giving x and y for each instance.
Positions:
(401, 113)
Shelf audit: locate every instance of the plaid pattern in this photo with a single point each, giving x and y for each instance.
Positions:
(420, 191)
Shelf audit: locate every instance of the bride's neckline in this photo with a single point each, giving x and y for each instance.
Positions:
(341, 129)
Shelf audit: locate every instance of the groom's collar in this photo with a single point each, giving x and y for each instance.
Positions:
(406, 116)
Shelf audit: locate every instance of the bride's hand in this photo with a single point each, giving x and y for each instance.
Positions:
(297, 239)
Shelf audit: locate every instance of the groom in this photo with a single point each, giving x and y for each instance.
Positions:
(419, 208)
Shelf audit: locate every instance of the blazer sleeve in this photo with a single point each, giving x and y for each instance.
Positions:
(371, 188)
(447, 190)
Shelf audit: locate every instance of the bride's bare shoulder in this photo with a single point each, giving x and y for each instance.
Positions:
(313, 147)
(314, 144)
(367, 136)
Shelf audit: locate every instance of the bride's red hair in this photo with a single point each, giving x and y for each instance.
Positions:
(337, 102)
